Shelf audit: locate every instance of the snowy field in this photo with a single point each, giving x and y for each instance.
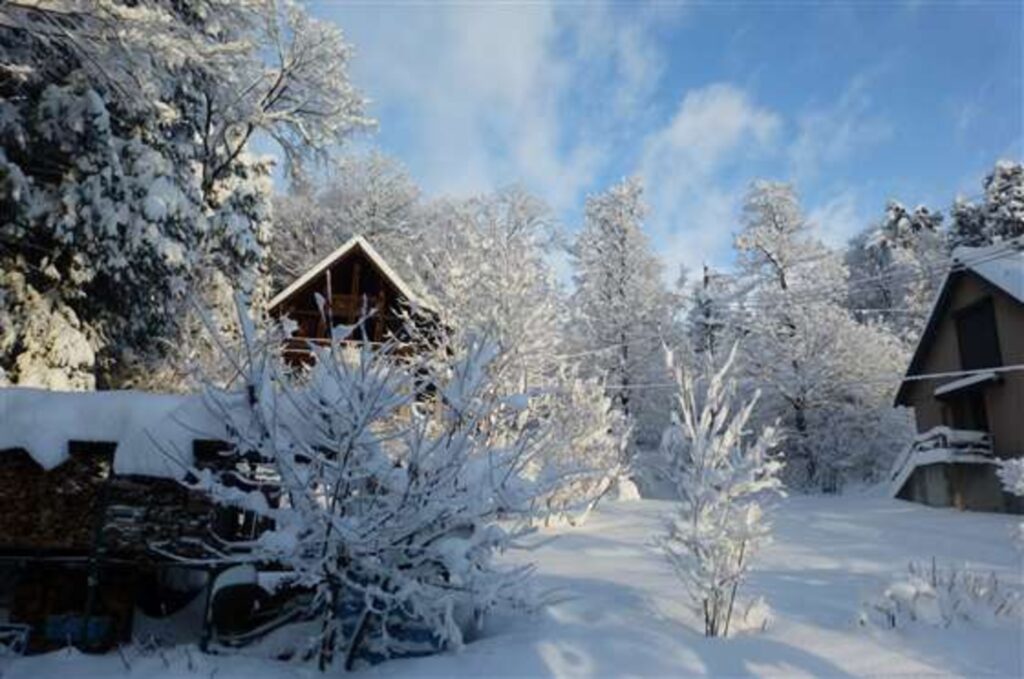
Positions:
(620, 610)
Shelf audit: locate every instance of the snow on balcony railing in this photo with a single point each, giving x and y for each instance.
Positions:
(937, 445)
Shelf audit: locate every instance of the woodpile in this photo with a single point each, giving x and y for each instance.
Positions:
(79, 508)
(55, 509)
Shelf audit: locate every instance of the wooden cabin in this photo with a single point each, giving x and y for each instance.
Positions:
(352, 284)
(966, 385)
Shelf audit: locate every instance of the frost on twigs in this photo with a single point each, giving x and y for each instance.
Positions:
(941, 597)
(721, 473)
(1011, 473)
(379, 486)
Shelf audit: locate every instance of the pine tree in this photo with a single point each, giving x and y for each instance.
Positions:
(709, 320)
(895, 269)
(999, 217)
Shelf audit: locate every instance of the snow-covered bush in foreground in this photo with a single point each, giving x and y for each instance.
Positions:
(1011, 473)
(380, 493)
(721, 474)
(942, 597)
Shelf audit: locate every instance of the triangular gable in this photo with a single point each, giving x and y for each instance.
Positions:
(354, 243)
(1001, 266)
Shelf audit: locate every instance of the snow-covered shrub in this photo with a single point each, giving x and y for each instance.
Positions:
(380, 491)
(1011, 473)
(722, 473)
(942, 597)
(584, 455)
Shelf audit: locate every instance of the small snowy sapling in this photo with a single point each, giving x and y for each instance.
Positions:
(721, 475)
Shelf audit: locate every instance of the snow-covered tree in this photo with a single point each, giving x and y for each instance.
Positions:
(385, 512)
(370, 195)
(621, 307)
(126, 175)
(722, 473)
(896, 268)
(999, 217)
(52, 348)
(486, 262)
(825, 377)
(709, 322)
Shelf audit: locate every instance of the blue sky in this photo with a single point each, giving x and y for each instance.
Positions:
(854, 102)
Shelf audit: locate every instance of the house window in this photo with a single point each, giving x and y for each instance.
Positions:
(976, 334)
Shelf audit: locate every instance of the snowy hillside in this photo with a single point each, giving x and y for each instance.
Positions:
(619, 610)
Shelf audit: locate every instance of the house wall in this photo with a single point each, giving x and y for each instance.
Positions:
(354, 280)
(1004, 402)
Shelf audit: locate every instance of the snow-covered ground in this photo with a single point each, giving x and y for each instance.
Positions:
(621, 612)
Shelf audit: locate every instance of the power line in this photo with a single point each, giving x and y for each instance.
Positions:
(739, 309)
(812, 295)
(907, 378)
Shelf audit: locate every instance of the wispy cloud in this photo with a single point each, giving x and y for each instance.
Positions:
(487, 94)
(837, 131)
(838, 219)
(693, 207)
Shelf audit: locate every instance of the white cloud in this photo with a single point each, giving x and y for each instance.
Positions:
(484, 95)
(838, 219)
(836, 132)
(692, 206)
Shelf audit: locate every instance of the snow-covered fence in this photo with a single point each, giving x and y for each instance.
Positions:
(13, 639)
(937, 445)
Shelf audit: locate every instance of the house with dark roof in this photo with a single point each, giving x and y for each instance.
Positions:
(965, 384)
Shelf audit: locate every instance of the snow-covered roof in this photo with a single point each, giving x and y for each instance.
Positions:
(153, 433)
(325, 263)
(965, 382)
(1001, 264)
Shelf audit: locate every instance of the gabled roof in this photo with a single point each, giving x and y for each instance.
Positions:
(354, 243)
(1000, 265)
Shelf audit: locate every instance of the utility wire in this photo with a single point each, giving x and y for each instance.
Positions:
(907, 378)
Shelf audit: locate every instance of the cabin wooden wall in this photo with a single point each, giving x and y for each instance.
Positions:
(353, 286)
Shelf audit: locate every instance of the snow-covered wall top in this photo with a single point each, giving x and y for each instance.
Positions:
(153, 432)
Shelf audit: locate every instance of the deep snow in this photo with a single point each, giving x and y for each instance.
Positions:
(621, 612)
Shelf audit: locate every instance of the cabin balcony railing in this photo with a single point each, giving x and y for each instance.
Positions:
(942, 444)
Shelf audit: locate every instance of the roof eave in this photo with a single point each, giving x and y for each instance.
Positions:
(355, 242)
